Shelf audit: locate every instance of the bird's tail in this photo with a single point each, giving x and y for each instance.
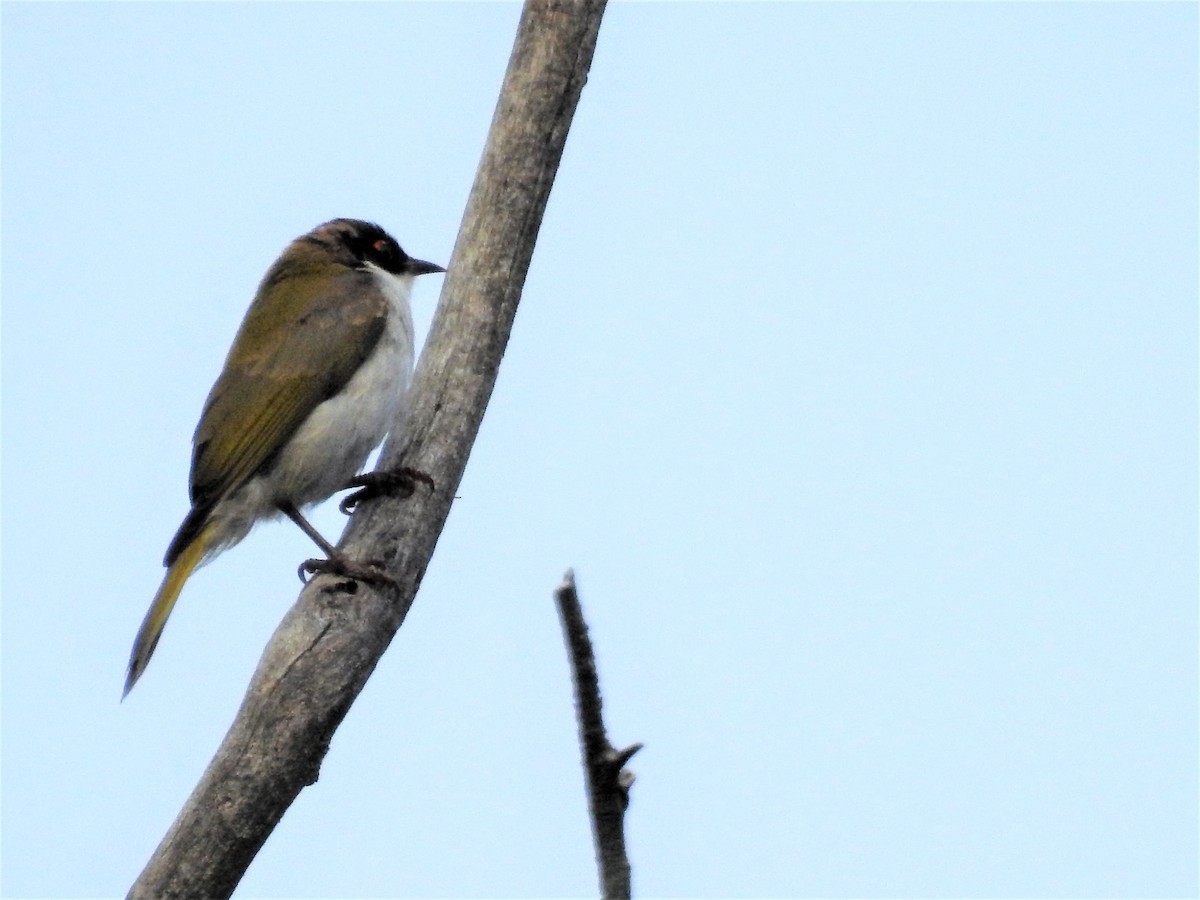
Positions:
(147, 639)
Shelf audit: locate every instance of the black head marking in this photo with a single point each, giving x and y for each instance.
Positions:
(371, 244)
(357, 243)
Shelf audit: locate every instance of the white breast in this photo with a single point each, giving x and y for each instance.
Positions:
(336, 439)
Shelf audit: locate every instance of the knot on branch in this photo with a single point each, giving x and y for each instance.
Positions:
(622, 779)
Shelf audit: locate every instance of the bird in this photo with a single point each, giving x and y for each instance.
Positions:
(317, 374)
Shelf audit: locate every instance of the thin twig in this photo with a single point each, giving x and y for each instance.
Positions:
(608, 780)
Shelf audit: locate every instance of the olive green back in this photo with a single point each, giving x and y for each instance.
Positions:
(305, 335)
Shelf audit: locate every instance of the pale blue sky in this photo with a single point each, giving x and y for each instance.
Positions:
(856, 375)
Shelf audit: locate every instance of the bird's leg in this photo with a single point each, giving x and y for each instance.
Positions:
(400, 483)
(336, 562)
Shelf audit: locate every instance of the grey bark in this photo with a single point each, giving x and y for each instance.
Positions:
(608, 780)
(331, 640)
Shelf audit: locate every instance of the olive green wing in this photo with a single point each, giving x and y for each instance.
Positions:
(303, 339)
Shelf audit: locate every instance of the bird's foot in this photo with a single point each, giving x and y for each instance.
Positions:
(371, 572)
(400, 483)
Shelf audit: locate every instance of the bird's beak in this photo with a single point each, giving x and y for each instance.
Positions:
(420, 267)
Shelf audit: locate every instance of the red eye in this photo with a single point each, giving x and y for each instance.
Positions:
(380, 246)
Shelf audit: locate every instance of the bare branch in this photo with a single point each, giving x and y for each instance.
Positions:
(608, 780)
(330, 641)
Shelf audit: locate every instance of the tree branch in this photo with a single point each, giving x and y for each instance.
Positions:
(608, 780)
(331, 640)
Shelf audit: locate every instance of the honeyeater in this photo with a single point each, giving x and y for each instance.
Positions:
(317, 375)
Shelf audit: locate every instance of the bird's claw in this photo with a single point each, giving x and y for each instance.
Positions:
(400, 483)
(369, 572)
